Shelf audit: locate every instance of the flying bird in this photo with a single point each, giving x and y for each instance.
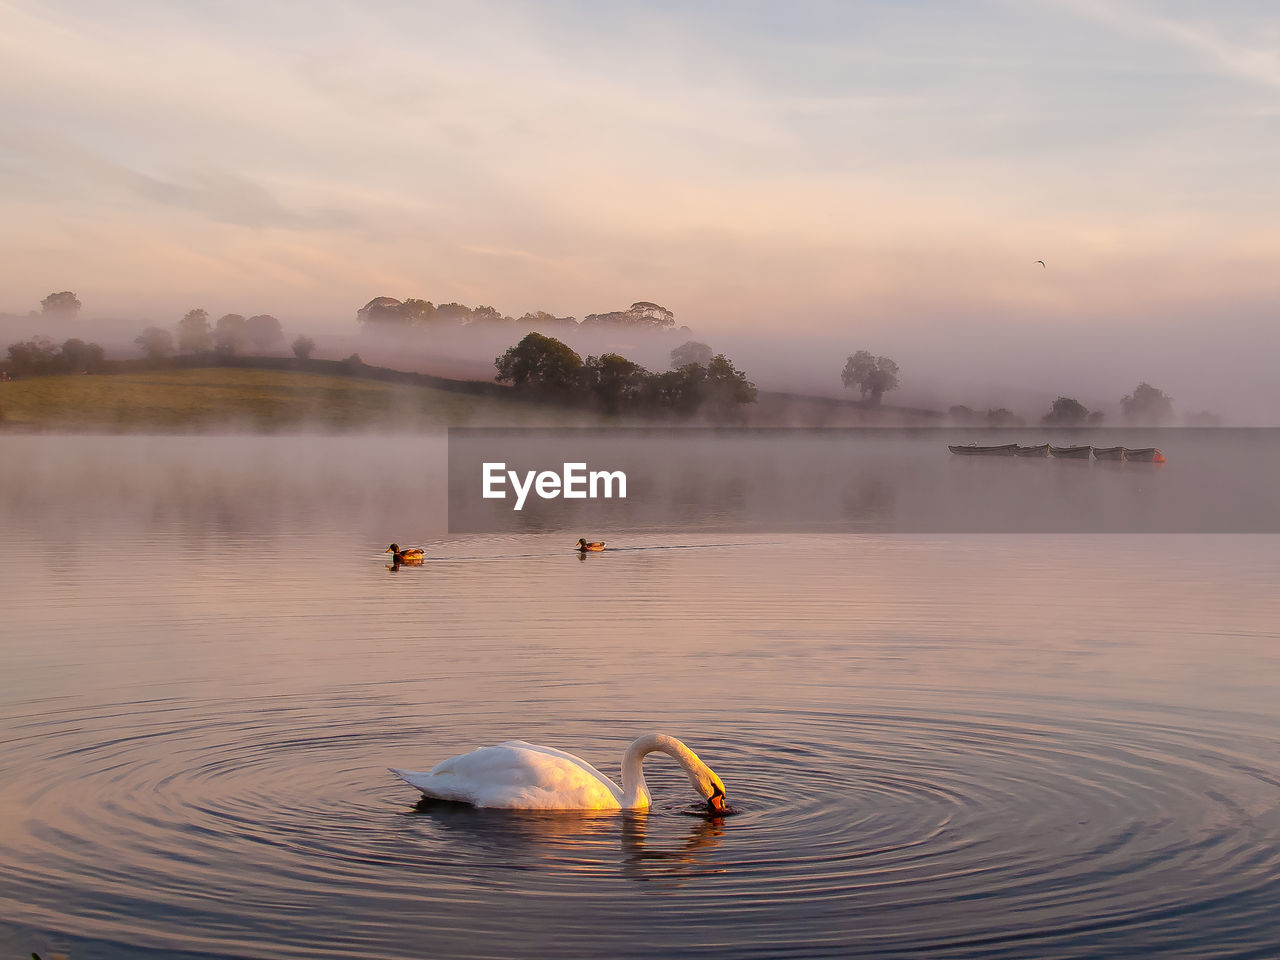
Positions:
(1041, 262)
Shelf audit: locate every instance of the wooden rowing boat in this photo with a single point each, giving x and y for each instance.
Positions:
(1145, 455)
(1072, 453)
(1109, 453)
(1042, 450)
(973, 450)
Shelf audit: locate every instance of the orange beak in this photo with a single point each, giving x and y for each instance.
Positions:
(716, 803)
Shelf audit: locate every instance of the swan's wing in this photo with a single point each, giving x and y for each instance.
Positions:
(518, 776)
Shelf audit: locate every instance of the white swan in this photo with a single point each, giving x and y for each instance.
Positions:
(524, 776)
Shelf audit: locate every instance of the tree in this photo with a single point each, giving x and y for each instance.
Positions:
(678, 391)
(263, 332)
(60, 306)
(39, 356)
(381, 310)
(228, 334)
(454, 313)
(642, 313)
(725, 387)
(1066, 412)
(540, 362)
(414, 311)
(691, 351)
(488, 315)
(873, 376)
(156, 343)
(616, 382)
(84, 357)
(1147, 404)
(1002, 417)
(193, 332)
(302, 348)
(716, 388)
(35, 356)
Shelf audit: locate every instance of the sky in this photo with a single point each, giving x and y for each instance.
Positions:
(882, 171)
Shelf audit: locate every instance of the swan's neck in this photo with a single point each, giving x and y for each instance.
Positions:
(635, 792)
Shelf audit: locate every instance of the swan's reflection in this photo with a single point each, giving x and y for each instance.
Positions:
(667, 859)
(654, 846)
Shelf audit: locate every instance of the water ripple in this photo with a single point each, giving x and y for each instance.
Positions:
(270, 828)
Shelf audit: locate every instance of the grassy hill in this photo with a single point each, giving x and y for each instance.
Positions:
(212, 398)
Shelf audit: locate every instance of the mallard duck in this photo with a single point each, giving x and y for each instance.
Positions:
(410, 555)
(595, 546)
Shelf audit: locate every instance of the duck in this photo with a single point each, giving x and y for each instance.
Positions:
(516, 775)
(595, 546)
(409, 555)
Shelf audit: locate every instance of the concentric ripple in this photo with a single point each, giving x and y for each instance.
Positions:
(270, 828)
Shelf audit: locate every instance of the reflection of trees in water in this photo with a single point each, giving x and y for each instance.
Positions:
(652, 847)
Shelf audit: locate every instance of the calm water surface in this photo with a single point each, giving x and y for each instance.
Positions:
(941, 746)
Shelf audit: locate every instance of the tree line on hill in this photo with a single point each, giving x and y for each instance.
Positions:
(388, 313)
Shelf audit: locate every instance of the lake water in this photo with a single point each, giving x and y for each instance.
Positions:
(940, 745)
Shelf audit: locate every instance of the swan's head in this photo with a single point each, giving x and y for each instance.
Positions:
(710, 787)
(716, 804)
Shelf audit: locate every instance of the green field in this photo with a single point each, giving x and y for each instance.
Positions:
(220, 398)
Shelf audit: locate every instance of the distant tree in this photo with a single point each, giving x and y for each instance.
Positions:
(541, 362)
(263, 332)
(725, 388)
(1147, 404)
(193, 332)
(35, 356)
(302, 348)
(1066, 412)
(1000, 417)
(156, 343)
(677, 391)
(453, 313)
(229, 335)
(488, 316)
(416, 312)
(691, 351)
(873, 376)
(616, 382)
(60, 306)
(642, 313)
(381, 311)
(80, 357)
(962, 414)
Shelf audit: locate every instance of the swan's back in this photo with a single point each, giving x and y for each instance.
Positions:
(518, 776)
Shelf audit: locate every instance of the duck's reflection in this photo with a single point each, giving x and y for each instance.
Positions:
(654, 846)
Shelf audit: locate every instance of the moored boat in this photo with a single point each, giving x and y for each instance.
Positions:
(1041, 450)
(1109, 453)
(973, 450)
(1145, 454)
(1072, 453)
